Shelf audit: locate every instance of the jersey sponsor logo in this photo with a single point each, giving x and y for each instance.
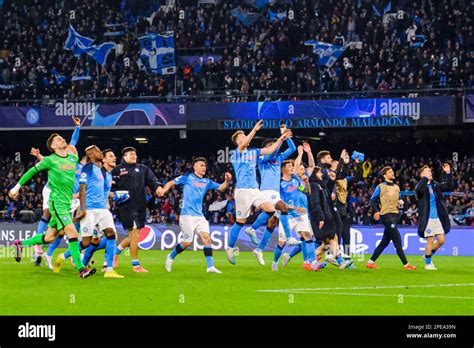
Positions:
(291, 188)
(67, 167)
(146, 238)
(199, 184)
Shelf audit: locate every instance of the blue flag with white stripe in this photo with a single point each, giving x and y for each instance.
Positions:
(157, 53)
(79, 44)
(328, 53)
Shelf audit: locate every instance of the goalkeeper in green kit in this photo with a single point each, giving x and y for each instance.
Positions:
(61, 168)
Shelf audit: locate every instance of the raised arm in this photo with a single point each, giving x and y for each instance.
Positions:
(276, 144)
(289, 151)
(249, 137)
(447, 182)
(421, 185)
(225, 185)
(75, 134)
(311, 162)
(38, 167)
(299, 158)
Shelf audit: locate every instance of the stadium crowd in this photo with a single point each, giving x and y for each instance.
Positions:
(220, 207)
(422, 44)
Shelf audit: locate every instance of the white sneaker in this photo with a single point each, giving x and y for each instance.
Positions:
(169, 263)
(431, 267)
(47, 260)
(230, 254)
(274, 266)
(292, 241)
(252, 234)
(286, 259)
(332, 260)
(213, 270)
(259, 255)
(345, 256)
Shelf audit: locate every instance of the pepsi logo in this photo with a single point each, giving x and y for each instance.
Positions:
(146, 238)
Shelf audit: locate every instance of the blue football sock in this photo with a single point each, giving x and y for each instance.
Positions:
(135, 263)
(428, 259)
(295, 251)
(118, 250)
(310, 250)
(208, 253)
(42, 226)
(266, 237)
(88, 254)
(262, 219)
(234, 234)
(52, 247)
(177, 250)
(304, 249)
(277, 253)
(286, 225)
(109, 250)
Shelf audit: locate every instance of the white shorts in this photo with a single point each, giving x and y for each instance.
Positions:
(245, 198)
(433, 228)
(297, 224)
(99, 219)
(46, 192)
(192, 224)
(272, 196)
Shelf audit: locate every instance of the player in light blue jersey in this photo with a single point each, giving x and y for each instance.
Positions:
(247, 194)
(46, 216)
(95, 183)
(191, 218)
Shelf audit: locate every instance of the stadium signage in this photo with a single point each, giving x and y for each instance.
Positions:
(394, 108)
(366, 122)
(37, 331)
(364, 239)
(66, 108)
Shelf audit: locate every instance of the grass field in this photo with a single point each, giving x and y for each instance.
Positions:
(244, 289)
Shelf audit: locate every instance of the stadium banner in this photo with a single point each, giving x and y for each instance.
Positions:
(364, 239)
(342, 113)
(94, 115)
(468, 108)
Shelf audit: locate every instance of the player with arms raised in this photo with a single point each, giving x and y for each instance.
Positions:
(61, 168)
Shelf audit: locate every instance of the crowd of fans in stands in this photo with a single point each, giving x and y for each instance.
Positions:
(166, 210)
(267, 57)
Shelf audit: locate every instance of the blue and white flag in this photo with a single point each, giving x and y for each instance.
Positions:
(244, 17)
(418, 41)
(59, 78)
(274, 16)
(79, 44)
(157, 53)
(328, 53)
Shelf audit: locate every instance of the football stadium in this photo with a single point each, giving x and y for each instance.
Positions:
(301, 158)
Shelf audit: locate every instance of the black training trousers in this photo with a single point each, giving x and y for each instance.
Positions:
(390, 233)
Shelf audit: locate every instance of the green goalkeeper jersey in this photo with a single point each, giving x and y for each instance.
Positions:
(61, 176)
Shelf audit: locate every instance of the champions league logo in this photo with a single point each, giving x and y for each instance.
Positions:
(146, 238)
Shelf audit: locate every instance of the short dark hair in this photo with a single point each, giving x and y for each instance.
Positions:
(321, 154)
(385, 170)
(199, 159)
(106, 151)
(128, 149)
(422, 169)
(235, 135)
(285, 162)
(267, 141)
(50, 140)
(317, 169)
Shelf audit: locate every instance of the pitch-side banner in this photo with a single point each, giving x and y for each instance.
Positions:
(342, 113)
(364, 239)
(469, 108)
(94, 115)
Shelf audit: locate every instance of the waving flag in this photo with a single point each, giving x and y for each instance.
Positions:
(274, 16)
(59, 78)
(328, 53)
(79, 44)
(157, 53)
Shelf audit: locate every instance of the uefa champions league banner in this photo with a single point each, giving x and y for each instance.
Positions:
(364, 239)
(94, 115)
(341, 113)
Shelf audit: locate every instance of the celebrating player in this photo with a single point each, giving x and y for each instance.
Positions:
(293, 191)
(191, 218)
(95, 184)
(43, 224)
(133, 177)
(61, 168)
(388, 195)
(433, 218)
(269, 167)
(244, 160)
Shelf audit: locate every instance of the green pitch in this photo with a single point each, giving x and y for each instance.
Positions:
(244, 289)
